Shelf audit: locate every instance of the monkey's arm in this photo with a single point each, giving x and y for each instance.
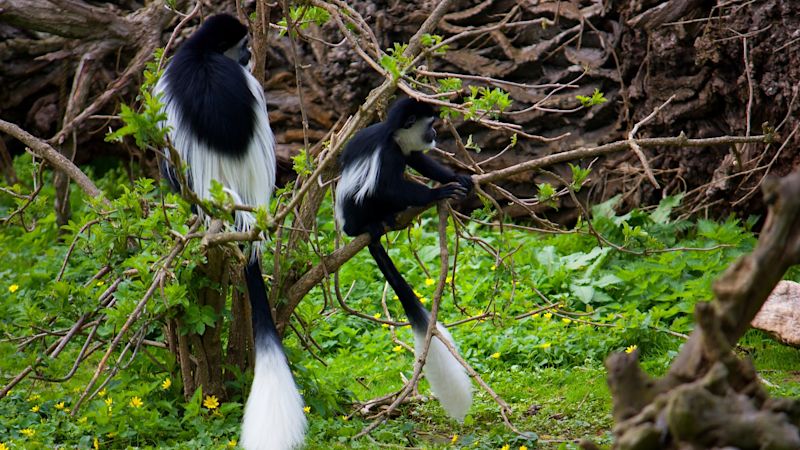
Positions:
(409, 193)
(428, 167)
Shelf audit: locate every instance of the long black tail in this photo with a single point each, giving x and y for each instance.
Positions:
(273, 417)
(448, 379)
(263, 325)
(415, 311)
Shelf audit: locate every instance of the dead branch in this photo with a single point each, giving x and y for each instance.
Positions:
(709, 397)
(583, 152)
(53, 157)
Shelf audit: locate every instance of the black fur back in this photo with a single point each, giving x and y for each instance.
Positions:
(211, 89)
(364, 143)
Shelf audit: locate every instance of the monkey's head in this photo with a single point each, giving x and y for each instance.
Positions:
(411, 123)
(223, 34)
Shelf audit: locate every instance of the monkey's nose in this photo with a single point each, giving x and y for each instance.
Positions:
(245, 57)
(430, 135)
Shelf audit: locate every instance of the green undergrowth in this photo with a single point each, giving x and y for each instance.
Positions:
(545, 362)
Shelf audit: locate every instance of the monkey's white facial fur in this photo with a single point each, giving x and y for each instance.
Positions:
(418, 137)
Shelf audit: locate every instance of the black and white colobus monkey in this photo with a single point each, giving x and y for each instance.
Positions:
(372, 191)
(218, 123)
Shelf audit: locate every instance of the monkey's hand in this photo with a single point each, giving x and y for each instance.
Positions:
(466, 181)
(454, 190)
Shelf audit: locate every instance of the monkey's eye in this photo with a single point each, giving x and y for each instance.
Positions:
(410, 122)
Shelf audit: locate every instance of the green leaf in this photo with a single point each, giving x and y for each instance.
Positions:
(661, 213)
(579, 176)
(596, 98)
(301, 164)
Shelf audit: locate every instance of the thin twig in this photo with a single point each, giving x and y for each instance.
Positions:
(638, 150)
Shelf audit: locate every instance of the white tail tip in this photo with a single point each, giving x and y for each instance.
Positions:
(447, 377)
(273, 417)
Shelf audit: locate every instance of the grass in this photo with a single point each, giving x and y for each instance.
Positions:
(548, 367)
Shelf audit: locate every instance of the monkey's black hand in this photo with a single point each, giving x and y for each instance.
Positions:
(466, 181)
(454, 190)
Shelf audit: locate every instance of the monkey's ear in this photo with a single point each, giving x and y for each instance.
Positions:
(410, 121)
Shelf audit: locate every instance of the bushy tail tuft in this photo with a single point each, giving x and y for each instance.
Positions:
(447, 377)
(273, 416)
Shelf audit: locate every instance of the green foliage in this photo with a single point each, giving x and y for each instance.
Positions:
(546, 194)
(484, 101)
(596, 98)
(472, 145)
(579, 176)
(432, 40)
(145, 126)
(301, 164)
(303, 16)
(394, 61)
(544, 362)
(449, 84)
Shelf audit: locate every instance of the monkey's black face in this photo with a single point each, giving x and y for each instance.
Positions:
(430, 134)
(240, 52)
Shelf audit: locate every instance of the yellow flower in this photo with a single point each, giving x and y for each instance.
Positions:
(535, 316)
(27, 432)
(548, 315)
(417, 293)
(495, 355)
(631, 348)
(136, 402)
(397, 348)
(345, 418)
(232, 443)
(494, 267)
(109, 401)
(211, 402)
(505, 447)
(448, 280)
(454, 439)
(429, 281)
(166, 384)
(33, 397)
(395, 297)
(567, 321)
(423, 300)
(60, 405)
(377, 315)
(522, 447)
(3, 446)
(13, 288)
(100, 283)
(102, 393)
(385, 325)
(306, 409)
(545, 345)
(35, 408)
(96, 444)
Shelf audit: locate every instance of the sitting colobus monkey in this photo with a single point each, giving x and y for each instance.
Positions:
(218, 123)
(372, 191)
